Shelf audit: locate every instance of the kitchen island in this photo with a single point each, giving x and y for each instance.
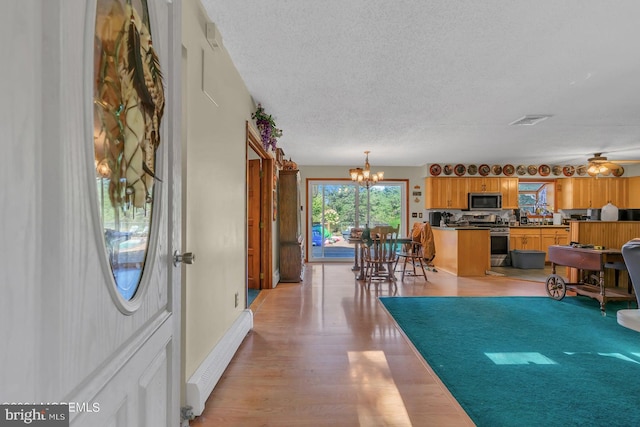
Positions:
(462, 251)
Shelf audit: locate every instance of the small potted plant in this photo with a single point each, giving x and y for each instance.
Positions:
(269, 132)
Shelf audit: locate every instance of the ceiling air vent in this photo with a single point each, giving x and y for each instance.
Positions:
(530, 120)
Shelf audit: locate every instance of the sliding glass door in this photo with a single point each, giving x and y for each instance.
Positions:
(335, 207)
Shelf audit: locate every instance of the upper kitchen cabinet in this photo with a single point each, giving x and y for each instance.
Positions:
(509, 190)
(451, 193)
(484, 185)
(619, 193)
(584, 193)
(446, 193)
(633, 192)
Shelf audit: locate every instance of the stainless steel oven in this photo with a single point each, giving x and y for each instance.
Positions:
(499, 245)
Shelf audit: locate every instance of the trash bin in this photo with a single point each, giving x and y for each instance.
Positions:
(527, 259)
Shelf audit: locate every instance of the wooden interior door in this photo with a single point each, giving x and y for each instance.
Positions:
(253, 224)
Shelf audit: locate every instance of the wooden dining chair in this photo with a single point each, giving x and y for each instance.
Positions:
(380, 254)
(419, 252)
(411, 257)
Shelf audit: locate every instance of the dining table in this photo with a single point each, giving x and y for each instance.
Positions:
(359, 248)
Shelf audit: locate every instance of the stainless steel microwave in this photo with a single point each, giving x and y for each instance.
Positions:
(485, 201)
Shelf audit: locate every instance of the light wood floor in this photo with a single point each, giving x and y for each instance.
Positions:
(325, 353)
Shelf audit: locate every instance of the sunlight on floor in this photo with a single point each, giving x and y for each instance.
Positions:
(372, 376)
(520, 358)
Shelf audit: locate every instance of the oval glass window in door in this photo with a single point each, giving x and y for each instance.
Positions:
(128, 107)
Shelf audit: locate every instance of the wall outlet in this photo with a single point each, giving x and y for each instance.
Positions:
(237, 299)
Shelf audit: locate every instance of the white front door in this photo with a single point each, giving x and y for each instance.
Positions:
(66, 335)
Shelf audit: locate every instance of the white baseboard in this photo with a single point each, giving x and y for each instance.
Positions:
(205, 378)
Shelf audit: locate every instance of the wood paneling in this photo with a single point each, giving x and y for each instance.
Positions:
(610, 234)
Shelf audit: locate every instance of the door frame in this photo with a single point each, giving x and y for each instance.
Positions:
(267, 188)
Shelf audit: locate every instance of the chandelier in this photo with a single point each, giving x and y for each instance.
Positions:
(367, 179)
(364, 176)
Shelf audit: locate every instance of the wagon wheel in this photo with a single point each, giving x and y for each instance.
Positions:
(556, 288)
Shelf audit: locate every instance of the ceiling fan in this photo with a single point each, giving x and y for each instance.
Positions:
(600, 165)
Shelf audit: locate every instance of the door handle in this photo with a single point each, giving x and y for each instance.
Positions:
(187, 258)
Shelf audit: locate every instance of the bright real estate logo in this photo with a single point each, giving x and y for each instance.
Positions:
(55, 415)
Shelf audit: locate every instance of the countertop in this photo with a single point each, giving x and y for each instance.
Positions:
(468, 227)
(474, 227)
(540, 226)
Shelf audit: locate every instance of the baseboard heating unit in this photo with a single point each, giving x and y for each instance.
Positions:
(205, 378)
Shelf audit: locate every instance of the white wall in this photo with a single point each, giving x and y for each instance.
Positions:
(215, 187)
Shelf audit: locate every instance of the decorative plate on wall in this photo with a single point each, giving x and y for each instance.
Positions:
(459, 169)
(472, 169)
(521, 170)
(618, 172)
(568, 170)
(448, 169)
(544, 170)
(581, 170)
(556, 170)
(496, 169)
(484, 170)
(508, 170)
(532, 170)
(435, 169)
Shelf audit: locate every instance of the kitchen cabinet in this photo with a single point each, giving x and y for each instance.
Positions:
(509, 190)
(484, 185)
(537, 238)
(584, 193)
(633, 191)
(451, 193)
(599, 192)
(289, 225)
(524, 238)
(446, 193)
(619, 193)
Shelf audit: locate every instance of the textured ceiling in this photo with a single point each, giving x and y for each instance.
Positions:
(439, 81)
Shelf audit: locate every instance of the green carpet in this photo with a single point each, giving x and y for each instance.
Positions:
(528, 361)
